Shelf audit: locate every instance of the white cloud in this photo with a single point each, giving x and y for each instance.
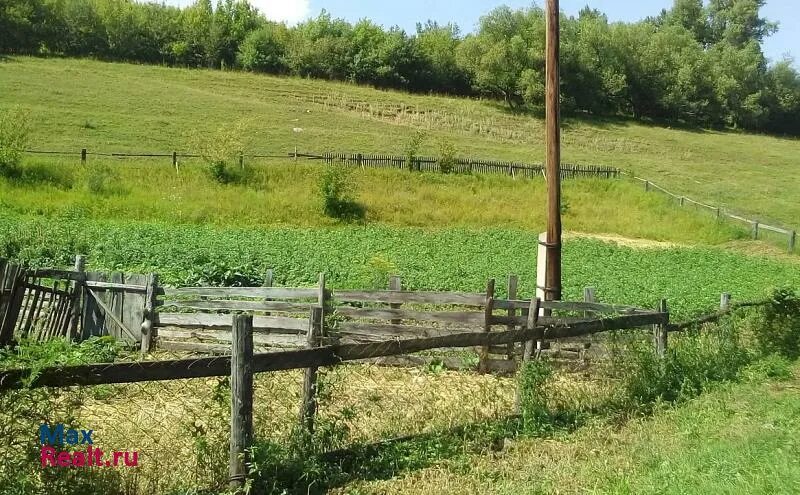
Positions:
(290, 11)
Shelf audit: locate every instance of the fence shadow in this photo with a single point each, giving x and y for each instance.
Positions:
(390, 458)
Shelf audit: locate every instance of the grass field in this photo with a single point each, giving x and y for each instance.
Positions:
(740, 438)
(116, 107)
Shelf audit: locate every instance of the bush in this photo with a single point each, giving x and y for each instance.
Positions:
(14, 131)
(336, 189)
(780, 331)
(221, 151)
(692, 362)
(447, 156)
(412, 149)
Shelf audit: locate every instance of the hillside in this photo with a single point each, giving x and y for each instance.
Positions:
(116, 107)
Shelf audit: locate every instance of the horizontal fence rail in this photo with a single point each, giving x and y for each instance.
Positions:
(755, 225)
(421, 163)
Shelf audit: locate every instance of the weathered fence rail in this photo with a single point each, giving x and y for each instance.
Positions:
(755, 225)
(427, 164)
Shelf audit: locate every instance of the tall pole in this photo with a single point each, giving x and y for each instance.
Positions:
(553, 159)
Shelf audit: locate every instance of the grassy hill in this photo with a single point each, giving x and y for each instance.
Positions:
(117, 107)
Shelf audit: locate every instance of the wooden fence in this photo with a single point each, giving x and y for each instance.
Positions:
(756, 226)
(461, 165)
(364, 160)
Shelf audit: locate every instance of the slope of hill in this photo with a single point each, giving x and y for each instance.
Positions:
(116, 107)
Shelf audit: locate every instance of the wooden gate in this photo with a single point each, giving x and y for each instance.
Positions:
(45, 304)
(38, 304)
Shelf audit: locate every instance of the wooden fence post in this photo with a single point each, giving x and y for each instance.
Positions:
(755, 229)
(308, 408)
(718, 212)
(483, 363)
(83, 156)
(513, 281)
(682, 199)
(149, 323)
(241, 160)
(724, 301)
(792, 240)
(77, 294)
(590, 297)
(660, 331)
(532, 321)
(646, 186)
(241, 398)
(395, 283)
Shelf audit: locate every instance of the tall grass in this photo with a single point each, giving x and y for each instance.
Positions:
(283, 192)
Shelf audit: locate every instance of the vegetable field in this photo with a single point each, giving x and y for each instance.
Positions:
(432, 259)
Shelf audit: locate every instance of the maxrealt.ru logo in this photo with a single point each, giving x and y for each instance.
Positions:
(86, 455)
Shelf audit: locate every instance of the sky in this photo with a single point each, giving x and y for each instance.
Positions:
(465, 13)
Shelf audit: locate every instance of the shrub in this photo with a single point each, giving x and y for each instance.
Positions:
(412, 149)
(692, 362)
(14, 131)
(221, 151)
(447, 156)
(336, 188)
(780, 331)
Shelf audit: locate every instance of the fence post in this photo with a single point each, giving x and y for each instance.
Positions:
(77, 294)
(149, 323)
(717, 212)
(724, 301)
(483, 363)
(241, 160)
(175, 160)
(646, 186)
(682, 199)
(755, 229)
(308, 408)
(241, 398)
(590, 297)
(792, 240)
(513, 281)
(531, 322)
(83, 156)
(395, 283)
(660, 331)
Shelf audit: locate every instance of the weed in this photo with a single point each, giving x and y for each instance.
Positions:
(412, 149)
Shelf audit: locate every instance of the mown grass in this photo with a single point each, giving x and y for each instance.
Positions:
(737, 438)
(118, 107)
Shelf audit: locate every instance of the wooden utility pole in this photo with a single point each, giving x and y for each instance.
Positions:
(552, 290)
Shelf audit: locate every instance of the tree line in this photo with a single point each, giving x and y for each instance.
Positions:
(695, 64)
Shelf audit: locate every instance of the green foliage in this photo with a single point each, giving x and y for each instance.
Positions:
(36, 355)
(692, 362)
(702, 65)
(780, 331)
(534, 382)
(14, 131)
(221, 151)
(336, 190)
(103, 180)
(447, 156)
(412, 148)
